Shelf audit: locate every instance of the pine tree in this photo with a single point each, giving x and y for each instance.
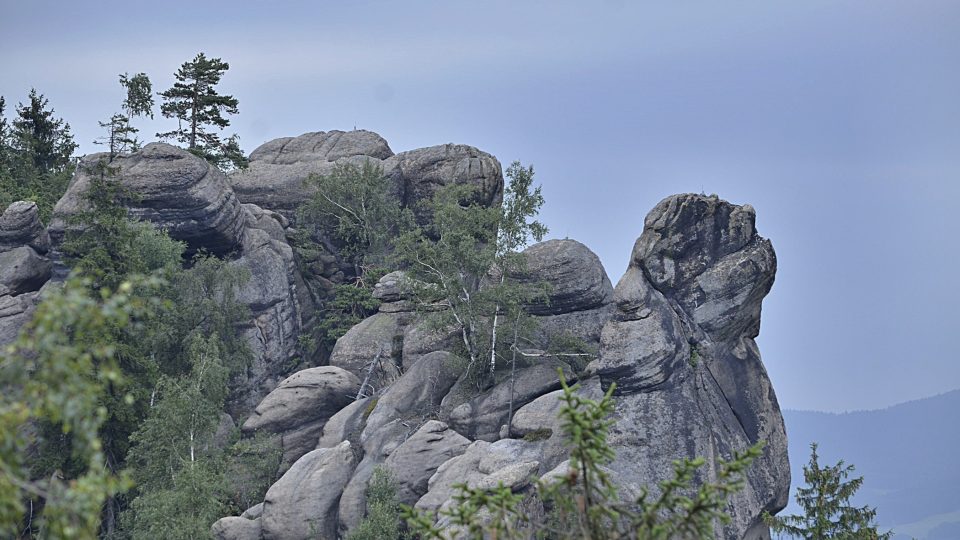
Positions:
(35, 155)
(194, 102)
(826, 503)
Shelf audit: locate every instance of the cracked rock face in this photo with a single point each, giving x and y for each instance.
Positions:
(680, 349)
(175, 191)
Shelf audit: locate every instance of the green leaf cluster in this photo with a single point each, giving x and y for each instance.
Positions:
(383, 519)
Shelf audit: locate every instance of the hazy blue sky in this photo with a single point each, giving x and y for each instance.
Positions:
(839, 122)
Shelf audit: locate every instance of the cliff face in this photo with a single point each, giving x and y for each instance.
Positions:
(676, 335)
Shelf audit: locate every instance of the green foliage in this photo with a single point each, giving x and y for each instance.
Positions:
(184, 510)
(349, 304)
(383, 511)
(35, 155)
(121, 136)
(462, 261)
(251, 468)
(194, 102)
(105, 244)
(825, 500)
(584, 502)
(57, 372)
(354, 207)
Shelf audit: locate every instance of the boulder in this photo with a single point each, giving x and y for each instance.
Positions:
(574, 276)
(415, 461)
(482, 417)
(236, 528)
(302, 505)
(300, 406)
(417, 174)
(417, 393)
(347, 424)
(278, 168)
(483, 464)
(377, 338)
(173, 189)
(20, 226)
(23, 270)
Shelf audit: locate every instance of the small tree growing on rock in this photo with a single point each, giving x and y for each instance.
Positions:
(194, 102)
(464, 258)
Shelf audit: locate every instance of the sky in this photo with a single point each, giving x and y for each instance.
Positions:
(838, 121)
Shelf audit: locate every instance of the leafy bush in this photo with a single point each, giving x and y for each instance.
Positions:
(383, 511)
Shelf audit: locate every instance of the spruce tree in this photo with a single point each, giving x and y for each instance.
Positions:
(825, 500)
(194, 102)
(36, 150)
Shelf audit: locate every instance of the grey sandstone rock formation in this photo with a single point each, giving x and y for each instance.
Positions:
(681, 350)
(300, 406)
(236, 528)
(302, 505)
(24, 269)
(414, 462)
(175, 191)
(20, 226)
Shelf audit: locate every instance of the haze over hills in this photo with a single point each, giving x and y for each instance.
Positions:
(906, 454)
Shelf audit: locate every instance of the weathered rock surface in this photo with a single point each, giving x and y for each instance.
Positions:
(278, 169)
(276, 313)
(483, 464)
(690, 381)
(482, 417)
(20, 226)
(415, 461)
(417, 174)
(175, 191)
(417, 393)
(300, 406)
(15, 311)
(236, 528)
(575, 277)
(377, 338)
(23, 270)
(302, 505)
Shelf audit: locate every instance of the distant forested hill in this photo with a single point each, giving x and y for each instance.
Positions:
(909, 455)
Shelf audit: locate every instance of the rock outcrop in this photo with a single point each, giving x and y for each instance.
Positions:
(676, 336)
(174, 189)
(24, 268)
(681, 350)
(300, 406)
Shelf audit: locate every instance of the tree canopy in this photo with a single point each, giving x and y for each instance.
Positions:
(199, 109)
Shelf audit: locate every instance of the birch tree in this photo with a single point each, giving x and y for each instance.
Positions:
(464, 260)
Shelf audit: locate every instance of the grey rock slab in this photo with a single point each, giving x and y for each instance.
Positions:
(236, 528)
(415, 461)
(175, 190)
(303, 503)
(20, 226)
(417, 393)
(23, 270)
(300, 406)
(481, 417)
(574, 276)
(378, 336)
